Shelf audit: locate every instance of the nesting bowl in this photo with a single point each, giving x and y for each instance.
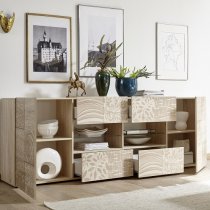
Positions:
(48, 128)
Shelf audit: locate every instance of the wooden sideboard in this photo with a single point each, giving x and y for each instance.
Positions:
(19, 140)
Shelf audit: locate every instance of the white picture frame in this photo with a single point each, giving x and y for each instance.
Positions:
(94, 22)
(171, 52)
(48, 47)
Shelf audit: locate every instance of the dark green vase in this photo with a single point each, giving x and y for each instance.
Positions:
(102, 79)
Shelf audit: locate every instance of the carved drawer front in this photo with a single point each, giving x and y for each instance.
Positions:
(115, 109)
(107, 165)
(153, 109)
(98, 110)
(90, 110)
(158, 162)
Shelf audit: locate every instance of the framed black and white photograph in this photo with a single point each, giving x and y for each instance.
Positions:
(49, 50)
(94, 22)
(172, 52)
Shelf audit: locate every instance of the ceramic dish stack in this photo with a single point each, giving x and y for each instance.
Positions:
(137, 139)
(48, 128)
(91, 132)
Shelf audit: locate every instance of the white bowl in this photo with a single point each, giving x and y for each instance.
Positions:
(47, 126)
(49, 122)
(137, 140)
(91, 132)
(47, 132)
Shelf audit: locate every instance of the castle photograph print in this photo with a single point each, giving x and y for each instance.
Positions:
(48, 48)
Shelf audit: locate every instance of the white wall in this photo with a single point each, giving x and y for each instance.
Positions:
(140, 17)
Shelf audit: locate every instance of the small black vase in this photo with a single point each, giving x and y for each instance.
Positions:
(102, 79)
(126, 86)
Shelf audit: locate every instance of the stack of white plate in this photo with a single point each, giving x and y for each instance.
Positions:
(91, 132)
(48, 128)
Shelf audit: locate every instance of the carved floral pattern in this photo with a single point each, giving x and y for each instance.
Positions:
(161, 161)
(106, 165)
(153, 109)
(116, 109)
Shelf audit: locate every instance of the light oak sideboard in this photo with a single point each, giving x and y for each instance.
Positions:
(19, 140)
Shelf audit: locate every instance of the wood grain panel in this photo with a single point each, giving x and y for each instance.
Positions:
(64, 111)
(107, 165)
(115, 109)
(201, 141)
(161, 162)
(7, 141)
(153, 109)
(114, 135)
(90, 110)
(20, 113)
(26, 123)
(64, 148)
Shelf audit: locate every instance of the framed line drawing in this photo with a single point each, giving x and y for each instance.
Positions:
(48, 46)
(94, 22)
(171, 52)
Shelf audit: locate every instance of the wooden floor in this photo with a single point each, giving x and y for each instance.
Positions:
(13, 199)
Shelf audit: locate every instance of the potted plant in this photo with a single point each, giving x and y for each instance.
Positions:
(127, 85)
(103, 60)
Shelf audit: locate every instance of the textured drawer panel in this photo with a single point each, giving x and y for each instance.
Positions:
(90, 110)
(116, 110)
(157, 162)
(153, 109)
(106, 165)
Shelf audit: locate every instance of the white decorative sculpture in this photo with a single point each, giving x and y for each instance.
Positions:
(181, 120)
(50, 159)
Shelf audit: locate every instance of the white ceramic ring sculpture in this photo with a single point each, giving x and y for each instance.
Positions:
(50, 158)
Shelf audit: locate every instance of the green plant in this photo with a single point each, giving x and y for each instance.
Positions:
(105, 57)
(135, 73)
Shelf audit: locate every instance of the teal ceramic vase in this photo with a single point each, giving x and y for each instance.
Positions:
(102, 80)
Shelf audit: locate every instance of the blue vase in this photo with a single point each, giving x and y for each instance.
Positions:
(126, 86)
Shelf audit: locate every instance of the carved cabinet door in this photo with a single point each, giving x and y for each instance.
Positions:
(201, 142)
(153, 109)
(26, 109)
(98, 110)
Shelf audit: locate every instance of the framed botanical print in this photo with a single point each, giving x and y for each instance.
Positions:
(172, 52)
(94, 22)
(49, 50)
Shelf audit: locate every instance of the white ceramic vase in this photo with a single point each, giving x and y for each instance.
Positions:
(181, 120)
(50, 159)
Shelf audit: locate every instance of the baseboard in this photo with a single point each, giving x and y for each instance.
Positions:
(208, 156)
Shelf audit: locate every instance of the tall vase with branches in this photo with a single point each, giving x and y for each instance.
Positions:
(106, 56)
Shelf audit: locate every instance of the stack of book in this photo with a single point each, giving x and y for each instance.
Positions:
(149, 92)
(91, 146)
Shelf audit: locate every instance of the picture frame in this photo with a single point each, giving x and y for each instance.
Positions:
(94, 22)
(171, 52)
(48, 48)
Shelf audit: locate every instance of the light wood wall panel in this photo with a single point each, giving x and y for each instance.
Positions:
(7, 141)
(201, 141)
(158, 162)
(106, 165)
(26, 123)
(153, 109)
